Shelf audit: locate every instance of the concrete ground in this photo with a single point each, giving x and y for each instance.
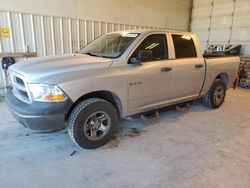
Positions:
(198, 148)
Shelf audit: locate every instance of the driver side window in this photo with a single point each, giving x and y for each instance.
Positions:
(153, 48)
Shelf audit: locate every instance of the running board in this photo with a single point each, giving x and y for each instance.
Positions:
(151, 117)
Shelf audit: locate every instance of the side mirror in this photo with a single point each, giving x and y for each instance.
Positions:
(134, 61)
(143, 56)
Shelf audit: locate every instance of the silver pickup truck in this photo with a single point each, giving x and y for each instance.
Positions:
(115, 76)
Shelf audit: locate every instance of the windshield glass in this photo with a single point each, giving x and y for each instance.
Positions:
(110, 45)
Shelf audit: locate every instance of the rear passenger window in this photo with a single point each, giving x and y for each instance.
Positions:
(184, 46)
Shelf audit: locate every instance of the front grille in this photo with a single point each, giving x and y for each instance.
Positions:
(24, 94)
(20, 89)
(20, 81)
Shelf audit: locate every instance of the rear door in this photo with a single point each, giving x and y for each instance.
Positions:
(188, 67)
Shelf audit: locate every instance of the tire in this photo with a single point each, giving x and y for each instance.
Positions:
(92, 123)
(216, 94)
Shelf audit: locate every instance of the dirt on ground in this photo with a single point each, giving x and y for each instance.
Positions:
(191, 147)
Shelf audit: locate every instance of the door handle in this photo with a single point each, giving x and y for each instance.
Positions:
(166, 69)
(198, 66)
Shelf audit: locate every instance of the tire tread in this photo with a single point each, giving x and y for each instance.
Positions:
(76, 111)
(207, 99)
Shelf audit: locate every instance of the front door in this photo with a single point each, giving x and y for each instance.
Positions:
(148, 81)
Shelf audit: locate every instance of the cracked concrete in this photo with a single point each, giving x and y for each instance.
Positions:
(198, 148)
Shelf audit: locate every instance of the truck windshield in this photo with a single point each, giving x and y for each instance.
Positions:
(110, 45)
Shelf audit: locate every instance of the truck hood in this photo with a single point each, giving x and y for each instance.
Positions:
(46, 68)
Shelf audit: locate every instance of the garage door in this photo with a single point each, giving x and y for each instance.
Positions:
(222, 22)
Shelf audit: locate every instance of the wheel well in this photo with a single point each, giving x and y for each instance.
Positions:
(223, 77)
(106, 95)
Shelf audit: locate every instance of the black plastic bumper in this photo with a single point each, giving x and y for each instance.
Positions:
(39, 116)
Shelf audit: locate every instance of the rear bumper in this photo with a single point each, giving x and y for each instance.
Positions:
(39, 116)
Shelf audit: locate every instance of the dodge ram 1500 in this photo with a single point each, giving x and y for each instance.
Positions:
(115, 76)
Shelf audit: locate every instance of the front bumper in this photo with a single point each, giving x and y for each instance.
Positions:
(41, 116)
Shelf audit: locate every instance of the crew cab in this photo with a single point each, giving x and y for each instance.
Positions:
(119, 74)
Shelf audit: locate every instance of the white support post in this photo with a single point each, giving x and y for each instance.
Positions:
(12, 49)
(100, 28)
(62, 38)
(43, 36)
(22, 32)
(78, 34)
(33, 32)
(52, 35)
(93, 30)
(106, 28)
(70, 36)
(85, 32)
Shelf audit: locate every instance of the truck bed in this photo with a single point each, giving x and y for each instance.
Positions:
(222, 65)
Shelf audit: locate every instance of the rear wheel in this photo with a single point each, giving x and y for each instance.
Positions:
(216, 94)
(92, 123)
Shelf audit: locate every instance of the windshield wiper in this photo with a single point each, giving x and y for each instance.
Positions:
(91, 54)
(96, 55)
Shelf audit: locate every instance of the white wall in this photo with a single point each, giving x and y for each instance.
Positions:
(172, 14)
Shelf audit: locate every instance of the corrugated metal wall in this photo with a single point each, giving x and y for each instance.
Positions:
(49, 35)
(222, 22)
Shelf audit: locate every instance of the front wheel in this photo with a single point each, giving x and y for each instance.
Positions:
(92, 123)
(216, 94)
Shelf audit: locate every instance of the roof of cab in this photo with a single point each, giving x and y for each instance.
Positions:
(145, 31)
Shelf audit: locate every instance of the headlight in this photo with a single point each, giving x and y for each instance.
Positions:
(46, 93)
